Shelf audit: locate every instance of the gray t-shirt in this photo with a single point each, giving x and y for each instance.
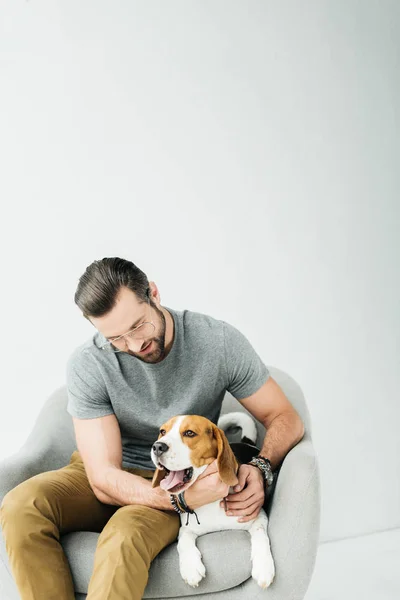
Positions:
(207, 357)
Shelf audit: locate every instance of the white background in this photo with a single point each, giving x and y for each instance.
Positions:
(245, 155)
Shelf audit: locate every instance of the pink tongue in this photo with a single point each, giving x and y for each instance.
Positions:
(172, 479)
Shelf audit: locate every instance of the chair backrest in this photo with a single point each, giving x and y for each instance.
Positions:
(53, 429)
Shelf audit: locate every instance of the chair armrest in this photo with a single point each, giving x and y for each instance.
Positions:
(294, 520)
(49, 445)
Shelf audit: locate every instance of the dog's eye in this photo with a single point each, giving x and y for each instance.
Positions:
(162, 431)
(189, 433)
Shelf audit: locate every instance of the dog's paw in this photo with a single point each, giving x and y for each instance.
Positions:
(263, 571)
(192, 568)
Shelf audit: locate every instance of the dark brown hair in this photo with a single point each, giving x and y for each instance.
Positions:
(98, 287)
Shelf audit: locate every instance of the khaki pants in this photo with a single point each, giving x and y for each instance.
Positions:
(36, 512)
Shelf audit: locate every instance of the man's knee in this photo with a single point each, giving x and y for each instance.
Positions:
(12, 504)
(19, 503)
(12, 516)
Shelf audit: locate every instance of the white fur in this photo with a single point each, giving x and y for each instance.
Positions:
(242, 420)
(212, 517)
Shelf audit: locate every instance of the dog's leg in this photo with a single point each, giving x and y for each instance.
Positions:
(263, 568)
(190, 563)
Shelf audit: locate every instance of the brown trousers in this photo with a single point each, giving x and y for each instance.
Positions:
(39, 510)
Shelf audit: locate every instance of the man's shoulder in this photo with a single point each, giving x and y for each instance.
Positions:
(199, 317)
(197, 330)
(83, 354)
(194, 320)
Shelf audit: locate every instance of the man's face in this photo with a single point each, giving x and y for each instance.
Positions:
(128, 313)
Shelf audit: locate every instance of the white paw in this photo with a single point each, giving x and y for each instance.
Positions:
(263, 571)
(192, 568)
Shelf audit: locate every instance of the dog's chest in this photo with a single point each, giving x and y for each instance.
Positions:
(212, 517)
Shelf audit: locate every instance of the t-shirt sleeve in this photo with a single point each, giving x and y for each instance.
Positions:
(246, 372)
(87, 393)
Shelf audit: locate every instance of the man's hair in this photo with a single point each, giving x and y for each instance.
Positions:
(98, 287)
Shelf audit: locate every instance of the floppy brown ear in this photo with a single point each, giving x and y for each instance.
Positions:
(159, 474)
(226, 461)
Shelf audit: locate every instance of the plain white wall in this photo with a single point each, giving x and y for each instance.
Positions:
(245, 155)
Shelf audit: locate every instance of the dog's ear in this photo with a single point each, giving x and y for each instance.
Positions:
(226, 461)
(159, 474)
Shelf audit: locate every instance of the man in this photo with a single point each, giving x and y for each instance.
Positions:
(145, 364)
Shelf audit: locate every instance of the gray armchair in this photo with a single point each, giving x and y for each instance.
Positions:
(293, 507)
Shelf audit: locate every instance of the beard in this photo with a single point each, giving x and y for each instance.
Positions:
(158, 352)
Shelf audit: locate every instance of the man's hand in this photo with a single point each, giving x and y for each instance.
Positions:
(207, 488)
(250, 497)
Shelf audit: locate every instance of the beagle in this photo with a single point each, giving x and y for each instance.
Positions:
(186, 445)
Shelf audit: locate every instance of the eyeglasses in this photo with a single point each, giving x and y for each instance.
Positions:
(119, 344)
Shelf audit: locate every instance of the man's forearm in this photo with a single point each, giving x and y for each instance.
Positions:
(283, 433)
(121, 488)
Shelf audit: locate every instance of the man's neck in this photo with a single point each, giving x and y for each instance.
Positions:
(169, 330)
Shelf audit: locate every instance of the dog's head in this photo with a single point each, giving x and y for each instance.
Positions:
(186, 445)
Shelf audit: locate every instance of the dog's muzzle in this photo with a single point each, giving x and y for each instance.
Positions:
(159, 448)
(175, 480)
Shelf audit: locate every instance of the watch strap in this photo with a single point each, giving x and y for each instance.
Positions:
(264, 465)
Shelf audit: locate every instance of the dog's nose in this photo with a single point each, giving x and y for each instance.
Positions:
(159, 448)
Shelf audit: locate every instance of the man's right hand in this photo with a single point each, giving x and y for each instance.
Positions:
(207, 488)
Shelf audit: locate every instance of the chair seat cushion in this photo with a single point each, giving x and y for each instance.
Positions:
(225, 554)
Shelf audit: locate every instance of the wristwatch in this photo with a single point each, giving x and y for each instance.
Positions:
(265, 467)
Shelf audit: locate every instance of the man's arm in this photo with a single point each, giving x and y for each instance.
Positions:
(121, 488)
(99, 444)
(285, 429)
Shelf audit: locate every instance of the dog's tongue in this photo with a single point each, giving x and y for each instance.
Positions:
(173, 479)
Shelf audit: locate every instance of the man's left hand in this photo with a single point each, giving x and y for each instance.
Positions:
(249, 495)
